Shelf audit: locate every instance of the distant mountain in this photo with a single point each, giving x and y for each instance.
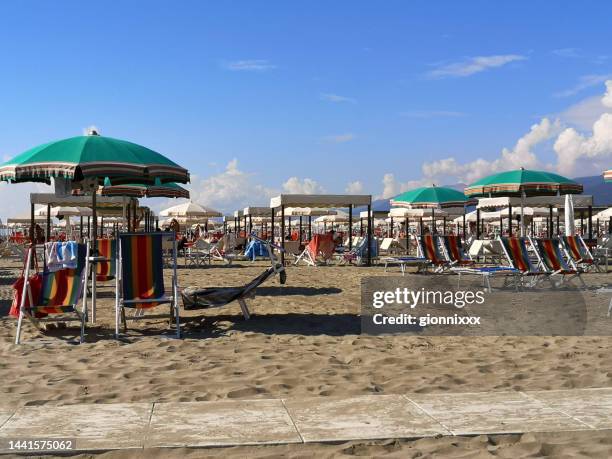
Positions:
(595, 185)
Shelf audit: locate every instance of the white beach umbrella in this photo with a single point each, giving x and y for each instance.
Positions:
(570, 228)
(190, 210)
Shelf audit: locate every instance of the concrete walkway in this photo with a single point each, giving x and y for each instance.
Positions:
(318, 419)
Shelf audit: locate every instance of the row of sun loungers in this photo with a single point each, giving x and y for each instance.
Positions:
(136, 262)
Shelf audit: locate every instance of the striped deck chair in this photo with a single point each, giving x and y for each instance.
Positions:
(578, 253)
(140, 279)
(321, 247)
(453, 250)
(515, 249)
(106, 270)
(59, 296)
(551, 259)
(429, 247)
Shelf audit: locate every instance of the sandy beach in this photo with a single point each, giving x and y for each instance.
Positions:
(302, 340)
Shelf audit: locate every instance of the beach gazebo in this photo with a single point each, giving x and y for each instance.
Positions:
(327, 201)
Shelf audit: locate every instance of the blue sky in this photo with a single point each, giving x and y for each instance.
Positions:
(269, 94)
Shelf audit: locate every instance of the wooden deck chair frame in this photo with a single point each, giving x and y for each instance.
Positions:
(120, 302)
(80, 316)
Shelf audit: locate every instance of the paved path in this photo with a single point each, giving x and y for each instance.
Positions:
(318, 419)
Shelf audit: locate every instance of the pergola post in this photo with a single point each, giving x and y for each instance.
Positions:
(477, 223)
(32, 226)
(300, 238)
(407, 234)
(81, 229)
(558, 225)
(391, 235)
(350, 232)
(464, 232)
(283, 234)
(443, 225)
(590, 222)
(361, 227)
(550, 221)
(510, 220)
(272, 229)
(309, 227)
(610, 225)
(48, 238)
(369, 241)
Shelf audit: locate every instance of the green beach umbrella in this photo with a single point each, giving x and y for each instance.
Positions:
(523, 182)
(608, 176)
(141, 190)
(92, 156)
(432, 197)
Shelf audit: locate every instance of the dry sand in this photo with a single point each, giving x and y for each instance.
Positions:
(303, 340)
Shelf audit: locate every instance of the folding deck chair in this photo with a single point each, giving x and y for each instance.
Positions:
(551, 259)
(462, 264)
(360, 251)
(321, 246)
(140, 279)
(429, 248)
(515, 249)
(59, 296)
(578, 253)
(195, 298)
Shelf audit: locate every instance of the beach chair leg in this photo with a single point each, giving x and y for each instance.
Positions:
(123, 320)
(610, 308)
(20, 321)
(177, 320)
(244, 308)
(488, 280)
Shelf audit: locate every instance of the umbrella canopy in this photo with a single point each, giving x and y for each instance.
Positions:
(608, 176)
(436, 197)
(190, 210)
(141, 190)
(604, 214)
(306, 212)
(63, 210)
(517, 182)
(92, 156)
(339, 217)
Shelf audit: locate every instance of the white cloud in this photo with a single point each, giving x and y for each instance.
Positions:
(585, 82)
(337, 98)
(567, 52)
(339, 138)
(294, 185)
(355, 187)
(91, 129)
(425, 114)
(473, 65)
(15, 198)
(584, 113)
(229, 190)
(606, 100)
(521, 155)
(250, 65)
(392, 187)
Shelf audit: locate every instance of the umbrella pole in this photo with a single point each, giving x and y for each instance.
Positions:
(477, 223)
(407, 235)
(283, 234)
(272, 227)
(522, 214)
(369, 239)
(590, 222)
(300, 239)
(310, 227)
(95, 252)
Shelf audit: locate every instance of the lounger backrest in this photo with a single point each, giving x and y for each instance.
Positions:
(453, 248)
(518, 256)
(321, 244)
(575, 248)
(62, 289)
(431, 249)
(142, 275)
(551, 255)
(106, 270)
(386, 243)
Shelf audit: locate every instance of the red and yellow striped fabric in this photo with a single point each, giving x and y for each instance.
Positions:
(552, 257)
(431, 250)
(106, 270)
(517, 251)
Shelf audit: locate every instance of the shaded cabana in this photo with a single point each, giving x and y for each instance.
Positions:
(327, 201)
(583, 206)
